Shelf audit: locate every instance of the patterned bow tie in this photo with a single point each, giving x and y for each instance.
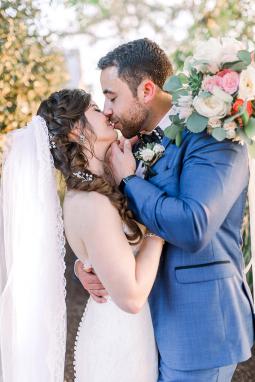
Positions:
(156, 136)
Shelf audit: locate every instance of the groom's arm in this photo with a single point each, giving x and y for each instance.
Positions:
(212, 178)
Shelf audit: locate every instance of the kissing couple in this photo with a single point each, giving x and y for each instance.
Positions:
(155, 228)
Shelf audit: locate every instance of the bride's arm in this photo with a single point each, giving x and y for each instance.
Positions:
(127, 279)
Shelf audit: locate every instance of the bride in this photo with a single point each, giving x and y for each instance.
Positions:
(71, 133)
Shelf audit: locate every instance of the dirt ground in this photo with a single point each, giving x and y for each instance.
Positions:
(76, 301)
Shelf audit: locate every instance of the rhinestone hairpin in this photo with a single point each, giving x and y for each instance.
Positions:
(52, 143)
(84, 176)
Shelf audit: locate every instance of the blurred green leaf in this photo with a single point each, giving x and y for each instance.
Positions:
(196, 123)
(244, 56)
(250, 128)
(219, 134)
(172, 84)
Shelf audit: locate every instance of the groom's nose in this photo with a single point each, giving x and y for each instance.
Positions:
(108, 112)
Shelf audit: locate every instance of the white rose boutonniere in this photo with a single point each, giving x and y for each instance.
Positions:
(149, 155)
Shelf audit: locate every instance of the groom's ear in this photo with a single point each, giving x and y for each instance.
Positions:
(146, 91)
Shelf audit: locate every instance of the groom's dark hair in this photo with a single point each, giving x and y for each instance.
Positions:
(137, 60)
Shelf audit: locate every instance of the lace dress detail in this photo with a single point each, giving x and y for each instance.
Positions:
(58, 340)
(115, 346)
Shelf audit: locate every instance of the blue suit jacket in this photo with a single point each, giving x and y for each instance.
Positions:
(201, 306)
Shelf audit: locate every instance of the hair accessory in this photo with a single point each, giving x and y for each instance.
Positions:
(82, 138)
(52, 143)
(84, 176)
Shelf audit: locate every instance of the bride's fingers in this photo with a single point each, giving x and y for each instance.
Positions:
(91, 278)
(95, 287)
(99, 293)
(100, 300)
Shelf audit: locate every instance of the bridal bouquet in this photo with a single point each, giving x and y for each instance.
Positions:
(216, 93)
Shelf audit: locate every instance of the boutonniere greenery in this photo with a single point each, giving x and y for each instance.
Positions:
(149, 154)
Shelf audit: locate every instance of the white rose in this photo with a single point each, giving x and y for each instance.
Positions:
(185, 108)
(219, 93)
(230, 125)
(209, 52)
(185, 101)
(174, 110)
(158, 149)
(230, 48)
(230, 134)
(247, 84)
(147, 155)
(211, 106)
(185, 112)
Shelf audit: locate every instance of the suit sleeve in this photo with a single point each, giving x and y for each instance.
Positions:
(213, 176)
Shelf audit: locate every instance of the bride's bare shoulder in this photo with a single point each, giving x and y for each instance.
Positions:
(91, 202)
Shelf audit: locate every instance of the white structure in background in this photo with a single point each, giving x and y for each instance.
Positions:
(73, 64)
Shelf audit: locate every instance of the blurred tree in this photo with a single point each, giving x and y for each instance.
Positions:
(29, 69)
(125, 19)
(233, 18)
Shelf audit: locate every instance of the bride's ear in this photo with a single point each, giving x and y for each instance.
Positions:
(146, 91)
(75, 133)
(73, 136)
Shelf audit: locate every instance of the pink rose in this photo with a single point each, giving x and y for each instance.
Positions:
(210, 81)
(223, 72)
(230, 82)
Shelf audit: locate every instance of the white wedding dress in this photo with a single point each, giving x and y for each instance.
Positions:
(115, 346)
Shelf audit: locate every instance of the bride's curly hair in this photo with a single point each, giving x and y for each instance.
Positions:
(61, 112)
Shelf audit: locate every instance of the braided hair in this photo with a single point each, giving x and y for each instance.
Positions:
(61, 112)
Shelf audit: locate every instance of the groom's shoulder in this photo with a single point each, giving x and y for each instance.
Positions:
(205, 143)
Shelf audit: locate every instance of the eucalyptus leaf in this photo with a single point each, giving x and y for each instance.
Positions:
(238, 66)
(178, 139)
(172, 131)
(250, 128)
(245, 118)
(196, 123)
(243, 136)
(178, 93)
(175, 119)
(183, 78)
(245, 56)
(242, 110)
(204, 94)
(172, 84)
(219, 134)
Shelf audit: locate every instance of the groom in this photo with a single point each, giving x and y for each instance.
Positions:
(200, 303)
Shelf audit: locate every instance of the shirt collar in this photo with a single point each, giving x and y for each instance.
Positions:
(164, 122)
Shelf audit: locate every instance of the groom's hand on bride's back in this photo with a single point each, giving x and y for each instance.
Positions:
(91, 283)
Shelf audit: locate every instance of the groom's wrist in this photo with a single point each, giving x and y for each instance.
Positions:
(124, 181)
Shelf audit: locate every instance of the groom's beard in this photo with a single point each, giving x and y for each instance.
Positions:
(133, 122)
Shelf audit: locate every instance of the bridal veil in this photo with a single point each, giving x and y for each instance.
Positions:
(32, 302)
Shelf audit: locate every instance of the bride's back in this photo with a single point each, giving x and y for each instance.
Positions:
(72, 222)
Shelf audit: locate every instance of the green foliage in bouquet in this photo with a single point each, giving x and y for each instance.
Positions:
(195, 81)
(202, 100)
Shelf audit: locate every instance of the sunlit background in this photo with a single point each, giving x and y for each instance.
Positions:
(46, 45)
